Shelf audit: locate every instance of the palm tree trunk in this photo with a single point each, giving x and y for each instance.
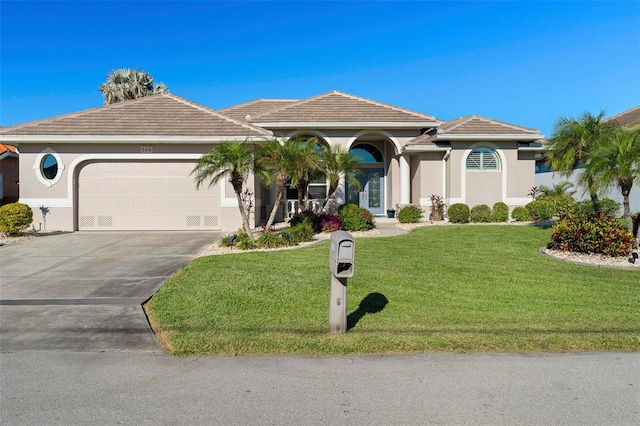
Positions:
(243, 214)
(332, 188)
(594, 197)
(627, 210)
(274, 209)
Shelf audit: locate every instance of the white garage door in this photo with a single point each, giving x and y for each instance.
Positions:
(152, 195)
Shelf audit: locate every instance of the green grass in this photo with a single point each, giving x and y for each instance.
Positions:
(454, 288)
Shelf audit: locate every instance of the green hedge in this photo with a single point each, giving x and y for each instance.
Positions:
(458, 213)
(15, 217)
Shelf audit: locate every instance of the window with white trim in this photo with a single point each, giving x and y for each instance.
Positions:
(483, 159)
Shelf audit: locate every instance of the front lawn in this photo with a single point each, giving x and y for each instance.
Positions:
(453, 288)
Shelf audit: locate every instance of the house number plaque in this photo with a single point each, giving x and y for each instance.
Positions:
(146, 149)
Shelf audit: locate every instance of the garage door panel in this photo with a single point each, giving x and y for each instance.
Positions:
(153, 195)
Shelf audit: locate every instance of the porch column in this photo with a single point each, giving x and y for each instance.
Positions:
(405, 180)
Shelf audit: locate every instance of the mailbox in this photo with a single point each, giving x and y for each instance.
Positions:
(342, 254)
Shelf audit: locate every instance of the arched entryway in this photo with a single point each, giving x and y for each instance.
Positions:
(371, 193)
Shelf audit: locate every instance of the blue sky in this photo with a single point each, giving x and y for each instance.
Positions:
(522, 62)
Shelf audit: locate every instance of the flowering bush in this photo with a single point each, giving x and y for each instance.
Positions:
(583, 233)
(330, 222)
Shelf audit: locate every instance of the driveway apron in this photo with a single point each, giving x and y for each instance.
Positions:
(84, 291)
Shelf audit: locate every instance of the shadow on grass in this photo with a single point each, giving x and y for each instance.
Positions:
(371, 304)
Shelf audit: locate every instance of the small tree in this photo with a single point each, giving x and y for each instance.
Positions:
(234, 159)
(336, 163)
(437, 207)
(15, 217)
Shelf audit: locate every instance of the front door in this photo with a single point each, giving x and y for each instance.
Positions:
(370, 195)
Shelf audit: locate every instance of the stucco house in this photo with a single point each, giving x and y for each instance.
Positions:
(9, 174)
(127, 166)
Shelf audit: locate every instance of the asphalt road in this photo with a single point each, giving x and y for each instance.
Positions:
(137, 388)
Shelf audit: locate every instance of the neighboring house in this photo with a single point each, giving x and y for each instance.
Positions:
(545, 176)
(9, 174)
(127, 166)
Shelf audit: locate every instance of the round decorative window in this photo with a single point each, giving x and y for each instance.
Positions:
(49, 167)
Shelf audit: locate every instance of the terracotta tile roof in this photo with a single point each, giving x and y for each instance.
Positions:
(476, 125)
(628, 117)
(157, 115)
(7, 148)
(338, 107)
(254, 108)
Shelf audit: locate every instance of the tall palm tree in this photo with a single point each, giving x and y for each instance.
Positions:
(234, 159)
(279, 159)
(336, 163)
(572, 144)
(616, 161)
(126, 83)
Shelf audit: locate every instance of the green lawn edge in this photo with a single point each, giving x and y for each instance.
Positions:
(454, 288)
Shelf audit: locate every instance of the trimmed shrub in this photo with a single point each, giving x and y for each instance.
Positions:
(607, 206)
(299, 233)
(15, 217)
(521, 214)
(500, 212)
(541, 209)
(582, 233)
(355, 218)
(410, 214)
(458, 213)
(480, 213)
(329, 222)
(562, 204)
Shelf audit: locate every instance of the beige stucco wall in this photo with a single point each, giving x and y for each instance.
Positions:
(61, 198)
(430, 178)
(509, 185)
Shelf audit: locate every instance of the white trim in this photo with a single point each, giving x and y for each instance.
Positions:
(425, 148)
(424, 202)
(456, 200)
(47, 202)
(489, 137)
(445, 157)
(38, 163)
(531, 148)
(348, 125)
(24, 139)
(405, 179)
(317, 133)
(522, 201)
(386, 134)
(503, 169)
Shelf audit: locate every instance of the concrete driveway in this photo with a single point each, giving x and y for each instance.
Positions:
(83, 291)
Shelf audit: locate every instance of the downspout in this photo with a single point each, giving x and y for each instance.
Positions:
(444, 174)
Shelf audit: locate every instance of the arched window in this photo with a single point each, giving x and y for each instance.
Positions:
(367, 153)
(483, 159)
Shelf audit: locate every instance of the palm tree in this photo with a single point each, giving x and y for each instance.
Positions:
(234, 159)
(616, 161)
(572, 144)
(126, 83)
(336, 163)
(305, 168)
(279, 160)
(560, 188)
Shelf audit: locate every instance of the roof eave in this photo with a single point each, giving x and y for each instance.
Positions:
(425, 148)
(488, 137)
(347, 125)
(73, 139)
